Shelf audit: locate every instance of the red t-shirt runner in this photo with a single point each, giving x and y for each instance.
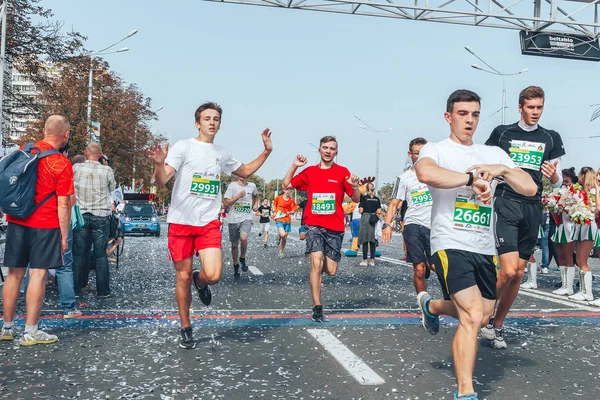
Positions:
(55, 173)
(326, 189)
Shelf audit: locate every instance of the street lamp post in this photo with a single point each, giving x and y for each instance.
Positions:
(494, 71)
(90, 83)
(368, 127)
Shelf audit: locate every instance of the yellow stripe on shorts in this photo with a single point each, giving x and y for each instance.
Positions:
(444, 259)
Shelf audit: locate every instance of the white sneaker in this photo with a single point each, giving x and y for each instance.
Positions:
(363, 264)
(371, 263)
(488, 332)
(7, 334)
(560, 292)
(499, 342)
(37, 337)
(73, 314)
(595, 303)
(545, 270)
(580, 296)
(529, 285)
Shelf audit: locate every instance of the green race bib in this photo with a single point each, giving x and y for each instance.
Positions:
(529, 155)
(323, 203)
(242, 208)
(205, 187)
(469, 213)
(420, 197)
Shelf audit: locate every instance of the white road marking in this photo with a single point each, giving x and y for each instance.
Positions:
(350, 361)
(254, 270)
(538, 294)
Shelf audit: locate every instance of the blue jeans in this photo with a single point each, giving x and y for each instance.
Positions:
(64, 278)
(94, 231)
(544, 246)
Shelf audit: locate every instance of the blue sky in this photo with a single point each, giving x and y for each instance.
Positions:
(305, 74)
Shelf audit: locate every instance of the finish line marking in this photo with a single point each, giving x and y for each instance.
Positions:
(254, 270)
(350, 361)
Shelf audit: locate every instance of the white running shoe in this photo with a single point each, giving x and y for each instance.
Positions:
(75, 313)
(488, 332)
(529, 285)
(580, 296)
(499, 342)
(7, 334)
(560, 292)
(545, 270)
(37, 337)
(595, 303)
(363, 264)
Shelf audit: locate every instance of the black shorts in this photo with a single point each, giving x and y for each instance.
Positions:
(458, 270)
(417, 242)
(516, 225)
(321, 239)
(33, 247)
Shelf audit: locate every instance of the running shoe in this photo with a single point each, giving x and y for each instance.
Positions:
(244, 266)
(545, 270)
(363, 264)
(204, 293)
(75, 313)
(7, 334)
(265, 244)
(470, 396)
(104, 296)
(429, 321)
(37, 337)
(280, 255)
(186, 341)
(372, 263)
(499, 342)
(488, 332)
(236, 271)
(317, 315)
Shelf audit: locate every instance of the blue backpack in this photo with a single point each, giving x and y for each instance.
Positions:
(18, 176)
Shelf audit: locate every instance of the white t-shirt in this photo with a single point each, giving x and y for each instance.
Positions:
(196, 197)
(458, 220)
(417, 197)
(241, 210)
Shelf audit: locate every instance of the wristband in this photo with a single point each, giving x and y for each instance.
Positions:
(385, 226)
(471, 177)
(355, 187)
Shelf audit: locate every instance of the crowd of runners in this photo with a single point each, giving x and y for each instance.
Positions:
(473, 218)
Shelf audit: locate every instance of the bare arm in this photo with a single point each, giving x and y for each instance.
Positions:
(386, 234)
(231, 201)
(298, 162)
(64, 220)
(429, 173)
(162, 173)
(245, 170)
(517, 178)
(255, 202)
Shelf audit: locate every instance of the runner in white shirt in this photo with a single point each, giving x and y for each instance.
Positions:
(417, 220)
(462, 238)
(194, 226)
(242, 197)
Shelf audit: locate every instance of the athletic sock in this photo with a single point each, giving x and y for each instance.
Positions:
(8, 325)
(31, 328)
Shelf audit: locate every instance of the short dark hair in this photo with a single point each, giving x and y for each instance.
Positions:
(326, 139)
(531, 92)
(209, 105)
(461, 95)
(415, 142)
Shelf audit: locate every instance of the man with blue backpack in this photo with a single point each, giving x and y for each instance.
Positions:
(36, 183)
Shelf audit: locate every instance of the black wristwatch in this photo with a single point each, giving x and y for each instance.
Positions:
(385, 226)
(471, 177)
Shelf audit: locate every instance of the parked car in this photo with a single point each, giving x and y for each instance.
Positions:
(140, 217)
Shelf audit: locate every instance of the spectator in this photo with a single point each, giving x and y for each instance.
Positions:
(40, 239)
(64, 274)
(369, 205)
(78, 159)
(94, 183)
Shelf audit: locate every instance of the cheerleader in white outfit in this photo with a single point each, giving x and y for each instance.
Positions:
(563, 238)
(584, 236)
(597, 241)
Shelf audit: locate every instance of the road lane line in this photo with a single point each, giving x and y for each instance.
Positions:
(550, 297)
(350, 361)
(254, 270)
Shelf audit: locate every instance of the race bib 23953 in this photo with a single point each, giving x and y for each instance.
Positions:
(529, 155)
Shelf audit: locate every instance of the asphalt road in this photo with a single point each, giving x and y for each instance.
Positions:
(256, 340)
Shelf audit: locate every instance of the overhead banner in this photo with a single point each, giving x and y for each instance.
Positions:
(560, 45)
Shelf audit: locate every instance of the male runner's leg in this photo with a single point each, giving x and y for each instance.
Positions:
(183, 295)
(234, 238)
(245, 228)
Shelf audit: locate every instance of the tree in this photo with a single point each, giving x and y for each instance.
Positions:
(30, 46)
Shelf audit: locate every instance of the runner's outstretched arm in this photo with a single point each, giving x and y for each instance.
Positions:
(162, 172)
(518, 179)
(298, 162)
(245, 170)
(429, 173)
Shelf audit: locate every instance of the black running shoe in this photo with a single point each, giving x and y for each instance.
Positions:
(244, 266)
(236, 271)
(204, 293)
(186, 341)
(317, 315)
